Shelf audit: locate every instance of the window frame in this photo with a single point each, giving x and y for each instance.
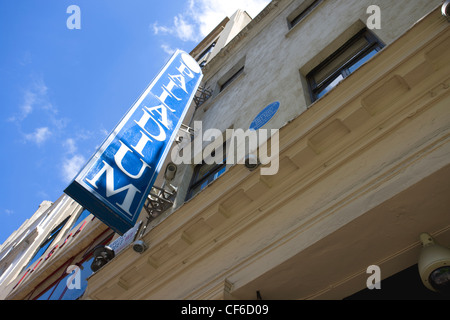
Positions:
(228, 82)
(79, 259)
(195, 182)
(373, 43)
(80, 218)
(297, 18)
(209, 49)
(52, 235)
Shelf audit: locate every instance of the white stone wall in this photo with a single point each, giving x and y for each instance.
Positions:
(277, 60)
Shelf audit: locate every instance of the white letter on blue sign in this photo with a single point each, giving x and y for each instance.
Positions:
(139, 147)
(143, 121)
(183, 68)
(118, 157)
(182, 82)
(110, 191)
(162, 113)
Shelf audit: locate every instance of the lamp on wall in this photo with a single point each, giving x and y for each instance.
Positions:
(434, 265)
(102, 255)
(446, 9)
(170, 172)
(139, 246)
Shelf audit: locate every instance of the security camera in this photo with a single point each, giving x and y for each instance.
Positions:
(251, 162)
(446, 9)
(102, 255)
(434, 265)
(139, 246)
(170, 172)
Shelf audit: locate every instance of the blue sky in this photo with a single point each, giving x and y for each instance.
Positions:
(62, 90)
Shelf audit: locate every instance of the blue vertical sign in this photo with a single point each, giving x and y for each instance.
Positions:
(116, 181)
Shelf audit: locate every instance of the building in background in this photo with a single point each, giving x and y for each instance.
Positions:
(20, 245)
(36, 257)
(360, 113)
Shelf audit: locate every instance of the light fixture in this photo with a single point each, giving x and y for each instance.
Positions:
(171, 170)
(139, 246)
(102, 255)
(434, 265)
(446, 9)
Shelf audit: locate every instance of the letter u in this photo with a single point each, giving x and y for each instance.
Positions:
(118, 157)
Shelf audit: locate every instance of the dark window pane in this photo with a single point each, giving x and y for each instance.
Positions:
(339, 60)
(304, 13)
(231, 79)
(46, 243)
(363, 60)
(80, 218)
(330, 86)
(339, 65)
(205, 173)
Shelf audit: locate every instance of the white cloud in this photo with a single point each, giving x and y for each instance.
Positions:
(71, 167)
(36, 106)
(202, 16)
(167, 49)
(70, 146)
(160, 29)
(34, 97)
(26, 108)
(25, 58)
(39, 136)
(103, 132)
(184, 30)
(36, 94)
(72, 161)
(40, 87)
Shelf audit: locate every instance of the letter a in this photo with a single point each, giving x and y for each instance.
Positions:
(374, 21)
(374, 281)
(74, 21)
(74, 280)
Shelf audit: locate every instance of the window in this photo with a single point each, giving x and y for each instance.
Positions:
(47, 242)
(342, 63)
(296, 17)
(204, 174)
(204, 53)
(59, 289)
(231, 79)
(80, 218)
(231, 75)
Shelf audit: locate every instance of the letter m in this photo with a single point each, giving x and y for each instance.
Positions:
(110, 189)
